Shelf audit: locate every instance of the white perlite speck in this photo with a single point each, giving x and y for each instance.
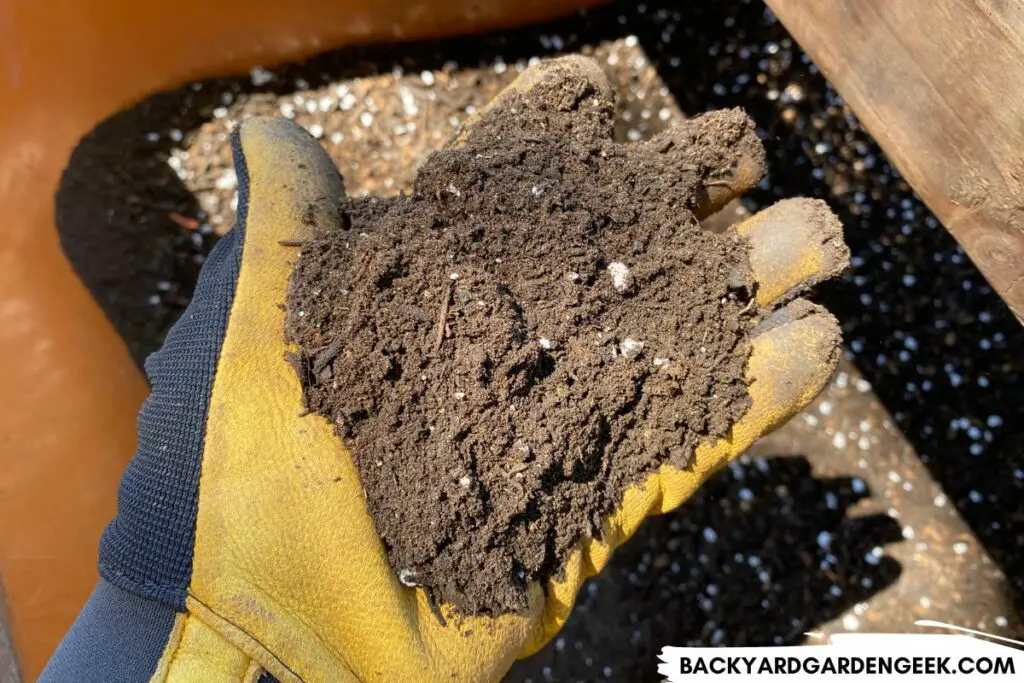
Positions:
(260, 76)
(546, 343)
(630, 348)
(227, 180)
(409, 105)
(622, 277)
(406, 577)
(347, 101)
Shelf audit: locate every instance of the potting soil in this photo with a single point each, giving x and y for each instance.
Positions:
(538, 326)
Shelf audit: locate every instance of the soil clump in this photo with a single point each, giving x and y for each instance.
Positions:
(542, 323)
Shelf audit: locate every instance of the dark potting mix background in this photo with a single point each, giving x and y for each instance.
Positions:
(897, 495)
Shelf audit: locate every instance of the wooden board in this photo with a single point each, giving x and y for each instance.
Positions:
(940, 85)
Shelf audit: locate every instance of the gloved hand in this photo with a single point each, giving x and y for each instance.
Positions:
(243, 542)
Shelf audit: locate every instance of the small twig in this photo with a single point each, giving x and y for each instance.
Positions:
(750, 305)
(435, 608)
(653, 307)
(442, 319)
(291, 243)
(186, 222)
(124, 175)
(324, 358)
(513, 482)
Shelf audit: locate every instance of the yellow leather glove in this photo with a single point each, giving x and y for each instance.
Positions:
(242, 523)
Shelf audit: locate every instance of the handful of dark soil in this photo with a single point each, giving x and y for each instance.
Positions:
(539, 326)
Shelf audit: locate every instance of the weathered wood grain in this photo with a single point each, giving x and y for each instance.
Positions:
(940, 85)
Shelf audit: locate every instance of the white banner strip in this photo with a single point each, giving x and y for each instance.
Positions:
(852, 657)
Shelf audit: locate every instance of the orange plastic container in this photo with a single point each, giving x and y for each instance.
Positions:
(70, 391)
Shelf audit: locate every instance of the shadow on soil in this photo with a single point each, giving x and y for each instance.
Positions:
(762, 554)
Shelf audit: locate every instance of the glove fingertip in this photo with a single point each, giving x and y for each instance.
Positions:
(794, 245)
(283, 171)
(795, 351)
